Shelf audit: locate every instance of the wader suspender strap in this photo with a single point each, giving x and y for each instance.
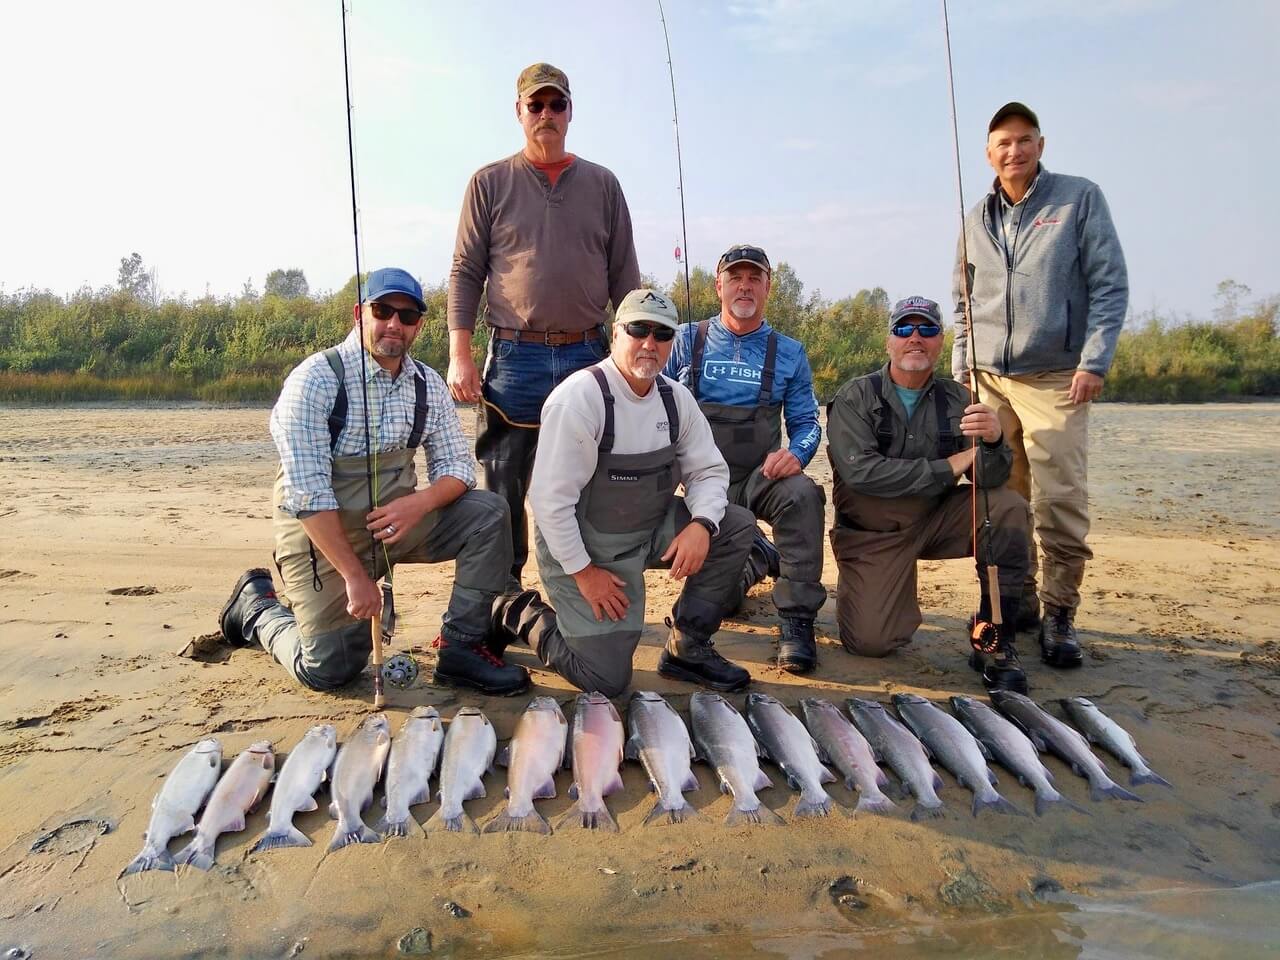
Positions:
(338, 415)
(700, 345)
(668, 401)
(338, 420)
(884, 432)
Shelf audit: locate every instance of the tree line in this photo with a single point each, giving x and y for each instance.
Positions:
(128, 343)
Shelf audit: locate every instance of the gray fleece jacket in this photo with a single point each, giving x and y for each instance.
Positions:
(1061, 304)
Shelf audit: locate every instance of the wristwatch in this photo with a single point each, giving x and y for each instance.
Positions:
(707, 525)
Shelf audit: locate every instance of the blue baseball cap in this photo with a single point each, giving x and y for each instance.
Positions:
(393, 280)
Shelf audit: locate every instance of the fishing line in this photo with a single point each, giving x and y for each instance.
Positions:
(675, 119)
(981, 638)
(375, 623)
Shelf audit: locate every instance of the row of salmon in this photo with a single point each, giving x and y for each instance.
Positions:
(595, 747)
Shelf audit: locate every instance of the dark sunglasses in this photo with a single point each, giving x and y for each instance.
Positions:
(409, 317)
(738, 254)
(556, 105)
(926, 329)
(639, 330)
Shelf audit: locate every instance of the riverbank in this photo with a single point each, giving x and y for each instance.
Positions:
(124, 528)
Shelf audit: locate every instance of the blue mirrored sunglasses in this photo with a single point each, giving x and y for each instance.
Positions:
(926, 329)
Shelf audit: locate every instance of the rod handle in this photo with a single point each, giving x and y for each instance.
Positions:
(375, 625)
(993, 592)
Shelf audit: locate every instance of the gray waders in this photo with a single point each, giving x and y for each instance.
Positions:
(794, 507)
(312, 636)
(628, 515)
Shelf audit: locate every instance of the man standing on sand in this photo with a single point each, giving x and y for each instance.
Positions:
(324, 519)
(616, 441)
(746, 376)
(546, 236)
(1049, 297)
(899, 441)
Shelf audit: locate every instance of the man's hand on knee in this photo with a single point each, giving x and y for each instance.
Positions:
(605, 591)
(364, 599)
(779, 464)
(688, 551)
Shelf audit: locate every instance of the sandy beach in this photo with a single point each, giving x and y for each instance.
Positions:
(124, 528)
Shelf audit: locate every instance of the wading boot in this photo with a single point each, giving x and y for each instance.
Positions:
(253, 593)
(1001, 669)
(695, 660)
(797, 649)
(1059, 644)
(469, 663)
(512, 617)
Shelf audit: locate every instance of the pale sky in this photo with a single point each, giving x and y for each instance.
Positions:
(211, 137)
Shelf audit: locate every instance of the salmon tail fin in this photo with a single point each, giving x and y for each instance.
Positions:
(678, 815)
(289, 836)
(760, 814)
(360, 834)
(997, 803)
(588, 819)
(928, 811)
(874, 804)
(460, 823)
(1148, 776)
(1113, 790)
(398, 828)
(531, 822)
(195, 856)
(149, 859)
(819, 806)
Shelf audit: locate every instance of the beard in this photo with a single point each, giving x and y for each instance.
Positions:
(643, 368)
(742, 310)
(390, 349)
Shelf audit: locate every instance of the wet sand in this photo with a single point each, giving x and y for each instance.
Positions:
(124, 527)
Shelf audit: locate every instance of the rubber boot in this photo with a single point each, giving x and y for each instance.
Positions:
(1001, 670)
(694, 659)
(797, 648)
(253, 594)
(1059, 643)
(469, 663)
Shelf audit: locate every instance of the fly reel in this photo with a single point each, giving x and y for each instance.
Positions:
(400, 670)
(984, 636)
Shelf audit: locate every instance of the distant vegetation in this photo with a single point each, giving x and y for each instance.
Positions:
(128, 343)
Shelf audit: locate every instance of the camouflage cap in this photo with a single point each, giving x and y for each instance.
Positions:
(538, 75)
(647, 305)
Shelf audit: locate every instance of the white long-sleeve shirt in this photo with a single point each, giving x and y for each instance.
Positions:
(568, 451)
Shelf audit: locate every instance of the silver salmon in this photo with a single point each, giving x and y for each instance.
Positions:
(841, 743)
(1011, 749)
(597, 754)
(724, 740)
(532, 757)
(787, 743)
(1051, 734)
(1100, 729)
(355, 774)
(241, 787)
(414, 752)
(469, 746)
(660, 741)
(955, 748)
(906, 756)
(174, 808)
(306, 767)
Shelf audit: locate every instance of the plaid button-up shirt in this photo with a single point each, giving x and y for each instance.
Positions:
(300, 424)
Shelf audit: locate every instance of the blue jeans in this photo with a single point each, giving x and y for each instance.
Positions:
(518, 376)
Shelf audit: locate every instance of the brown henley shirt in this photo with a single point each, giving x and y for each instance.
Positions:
(553, 257)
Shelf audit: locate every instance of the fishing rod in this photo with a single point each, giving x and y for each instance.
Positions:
(375, 623)
(675, 119)
(984, 636)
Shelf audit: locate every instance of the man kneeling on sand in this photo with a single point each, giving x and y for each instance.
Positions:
(325, 519)
(617, 439)
(899, 441)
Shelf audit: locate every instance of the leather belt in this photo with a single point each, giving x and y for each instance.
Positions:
(548, 338)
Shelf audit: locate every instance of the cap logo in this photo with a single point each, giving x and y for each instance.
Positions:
(656, 299)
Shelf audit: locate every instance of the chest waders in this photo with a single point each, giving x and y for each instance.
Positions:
(745, 435)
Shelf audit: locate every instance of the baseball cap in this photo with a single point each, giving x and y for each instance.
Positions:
(644, 304)
(538, 75)
(392, 280)
(744, 253)
(921, 307)
(1014, 109)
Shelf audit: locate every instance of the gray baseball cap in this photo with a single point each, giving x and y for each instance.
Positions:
(921, 307)
(1014, 109)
